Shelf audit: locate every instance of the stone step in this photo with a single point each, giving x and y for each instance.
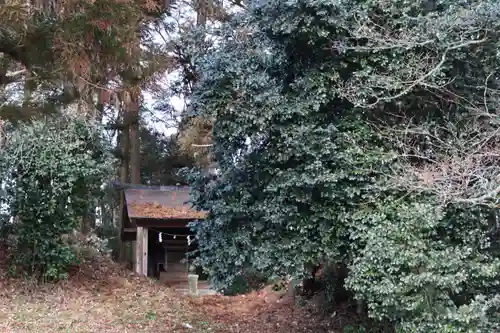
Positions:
(201, 292)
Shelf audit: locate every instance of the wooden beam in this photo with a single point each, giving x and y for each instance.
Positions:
(158, 223)
(144, 241)
(177, 250)
(138, 251)
(141, 251)
(179, 246)
(174, 242)
(129, 235)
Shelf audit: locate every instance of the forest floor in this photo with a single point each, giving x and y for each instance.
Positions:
(106, 298)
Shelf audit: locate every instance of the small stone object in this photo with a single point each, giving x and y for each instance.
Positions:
(193, 284)
(188, 326)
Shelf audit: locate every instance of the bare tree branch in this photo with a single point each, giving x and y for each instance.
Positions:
(461, 165)
(421, 80)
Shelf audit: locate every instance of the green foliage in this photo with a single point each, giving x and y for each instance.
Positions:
(239, 286)
(161, 159)
(51, 170)
(299, 91)
(298, 217)
(426, 267)
(247, 281)
(110, 233)
(354, 329)
(70, 50)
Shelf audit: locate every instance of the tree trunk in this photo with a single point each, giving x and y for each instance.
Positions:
(29, 86)
(135, 153)
(89, 219)
(135, 142)
(124, 143)
(91, 111)
(2, 133)
(106, 216)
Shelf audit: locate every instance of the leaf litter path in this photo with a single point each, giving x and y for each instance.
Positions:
(102, 297)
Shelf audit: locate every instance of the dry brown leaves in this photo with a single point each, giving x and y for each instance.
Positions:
(102, 296)
(195, 139)
(13, 12)
(266, 311)
(156, 210)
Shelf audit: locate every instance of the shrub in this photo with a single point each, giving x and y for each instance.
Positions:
(249, 280)
(426, 268)
(87, 247)
(50, 169)
(341, 130)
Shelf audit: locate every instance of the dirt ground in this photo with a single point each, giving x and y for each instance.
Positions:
(106, 298)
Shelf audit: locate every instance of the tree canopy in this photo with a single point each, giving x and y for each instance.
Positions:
(359, 133)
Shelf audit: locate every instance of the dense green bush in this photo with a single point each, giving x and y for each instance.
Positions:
(427, 269)
(238, 287)
(247, 281)
(50, 169)
(325, 112)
